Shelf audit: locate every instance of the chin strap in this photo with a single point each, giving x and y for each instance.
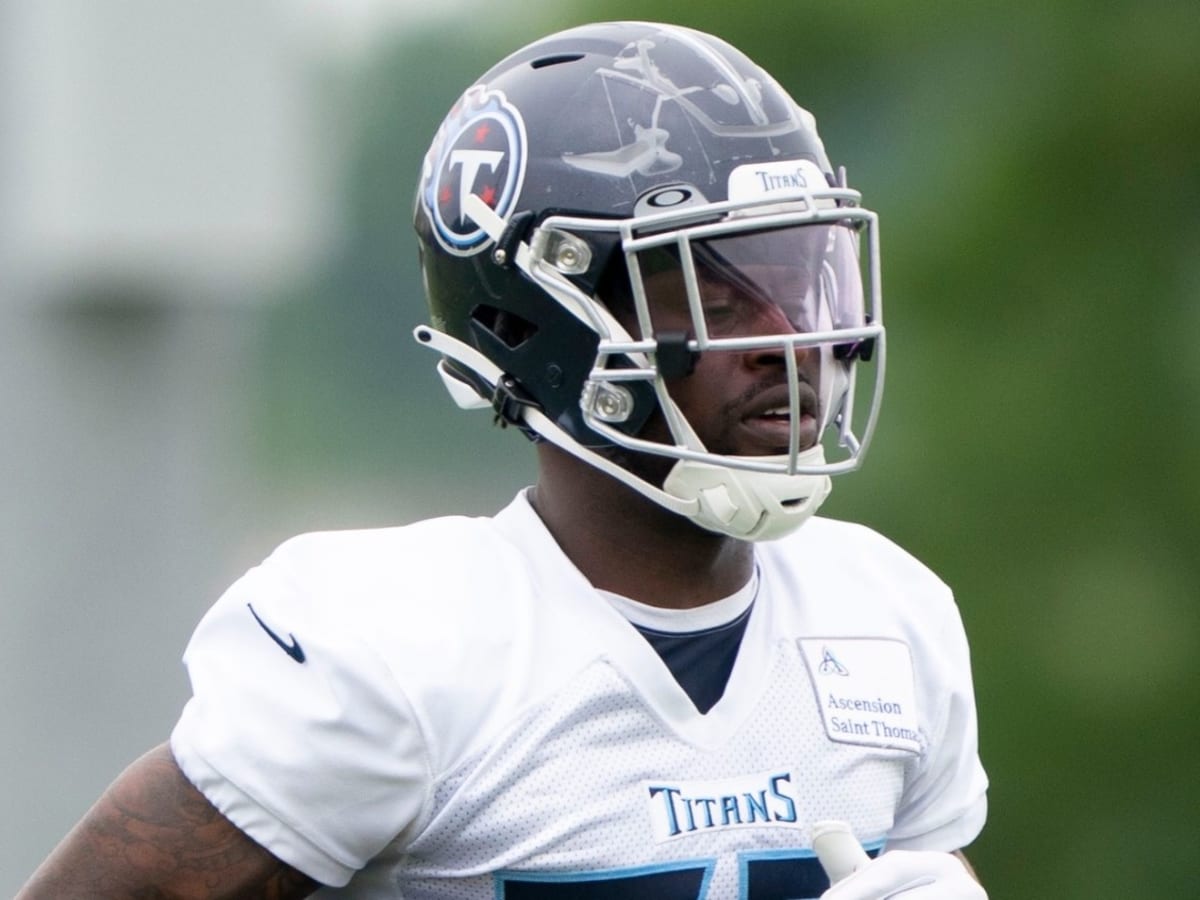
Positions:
(754, 506)
(747, 505)
(537, 420)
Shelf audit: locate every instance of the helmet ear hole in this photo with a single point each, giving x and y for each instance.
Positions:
(505, 326)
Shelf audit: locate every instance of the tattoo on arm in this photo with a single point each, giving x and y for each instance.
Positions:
(153, 835)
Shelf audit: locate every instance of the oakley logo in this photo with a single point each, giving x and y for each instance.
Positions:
(671, 196)
(676, 196)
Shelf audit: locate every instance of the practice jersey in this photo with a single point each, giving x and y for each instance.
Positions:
(450, 710)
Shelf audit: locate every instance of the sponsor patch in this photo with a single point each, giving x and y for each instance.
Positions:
(480, 149)
(864, 689)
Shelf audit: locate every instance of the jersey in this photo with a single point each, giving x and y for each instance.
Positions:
(450, 710)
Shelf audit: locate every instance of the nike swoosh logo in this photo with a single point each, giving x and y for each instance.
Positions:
(292, 649)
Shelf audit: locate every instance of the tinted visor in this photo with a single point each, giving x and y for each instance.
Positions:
(796, 279)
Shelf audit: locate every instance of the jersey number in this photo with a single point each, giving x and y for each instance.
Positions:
(788, 875)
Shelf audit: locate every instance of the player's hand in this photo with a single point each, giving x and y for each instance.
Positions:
(909, 875)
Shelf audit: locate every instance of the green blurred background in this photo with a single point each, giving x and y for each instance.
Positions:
(1036, 167)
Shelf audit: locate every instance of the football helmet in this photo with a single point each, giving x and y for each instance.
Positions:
(610, 203)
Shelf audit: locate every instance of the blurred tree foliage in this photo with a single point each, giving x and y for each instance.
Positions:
(348, 396)
(1037, 169)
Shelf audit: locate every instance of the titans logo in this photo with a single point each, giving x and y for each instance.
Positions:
(480, 149)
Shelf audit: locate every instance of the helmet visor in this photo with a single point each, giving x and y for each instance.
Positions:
(761, 284)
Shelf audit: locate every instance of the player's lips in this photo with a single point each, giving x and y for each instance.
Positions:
(767, 422)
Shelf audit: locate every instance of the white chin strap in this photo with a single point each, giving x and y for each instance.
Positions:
(748, 505)
(753, 506)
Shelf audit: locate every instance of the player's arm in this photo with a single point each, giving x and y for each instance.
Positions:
(152, 834)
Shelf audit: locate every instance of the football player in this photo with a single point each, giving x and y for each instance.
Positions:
(656, 672)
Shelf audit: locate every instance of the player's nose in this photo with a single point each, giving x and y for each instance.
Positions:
(772, 320)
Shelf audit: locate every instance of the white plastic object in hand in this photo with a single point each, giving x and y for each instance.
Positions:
(837, 848)
(910, 875)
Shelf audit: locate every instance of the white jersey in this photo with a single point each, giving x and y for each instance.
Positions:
(450, 710)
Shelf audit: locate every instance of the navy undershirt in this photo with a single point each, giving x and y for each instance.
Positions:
(701, 661)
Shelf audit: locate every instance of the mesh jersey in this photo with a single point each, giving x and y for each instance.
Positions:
(471, 720)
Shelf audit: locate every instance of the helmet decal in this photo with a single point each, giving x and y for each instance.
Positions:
(667, 197)
(646, 155)
(776, 176)
(480, 149)
(708, 106)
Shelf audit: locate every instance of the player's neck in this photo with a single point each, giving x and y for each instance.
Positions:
(624, 543)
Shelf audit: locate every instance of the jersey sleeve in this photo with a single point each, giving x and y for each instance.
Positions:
(296, 730)
(944, 804)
